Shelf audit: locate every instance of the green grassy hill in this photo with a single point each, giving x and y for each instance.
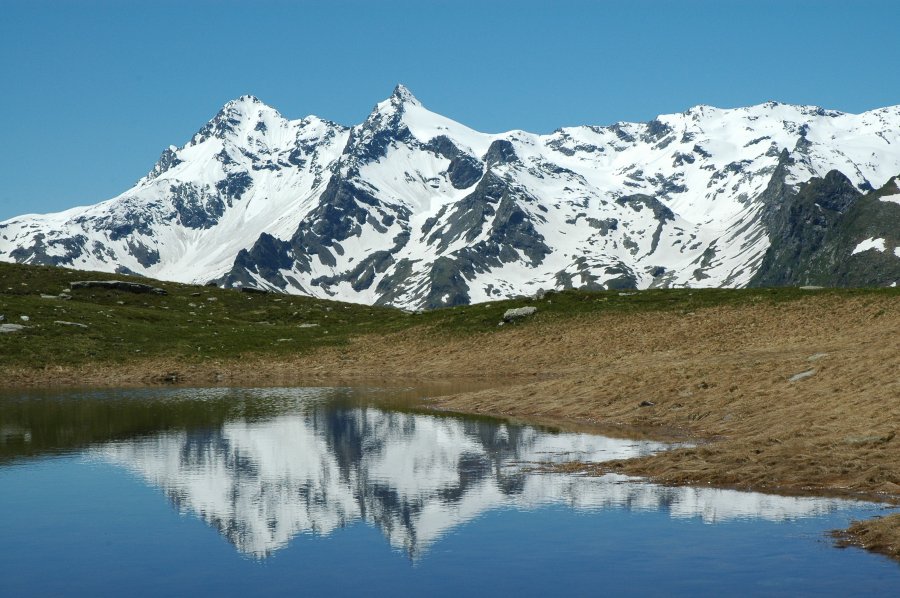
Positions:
(200, 323)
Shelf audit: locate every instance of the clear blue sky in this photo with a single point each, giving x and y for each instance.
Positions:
(91, 92)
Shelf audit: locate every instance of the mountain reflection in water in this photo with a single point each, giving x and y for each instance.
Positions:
(263, 466)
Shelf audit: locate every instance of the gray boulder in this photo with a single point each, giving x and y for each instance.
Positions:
(9, 328)
(517, 314)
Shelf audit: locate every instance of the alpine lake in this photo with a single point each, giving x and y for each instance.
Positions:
(366, 491)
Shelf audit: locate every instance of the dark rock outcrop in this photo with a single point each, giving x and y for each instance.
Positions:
(117, 285)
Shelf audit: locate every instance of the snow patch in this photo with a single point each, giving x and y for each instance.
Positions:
(870, 243)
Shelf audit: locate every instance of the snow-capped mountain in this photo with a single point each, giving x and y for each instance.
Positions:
(412, 209)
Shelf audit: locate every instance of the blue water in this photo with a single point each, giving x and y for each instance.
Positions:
(318, 492)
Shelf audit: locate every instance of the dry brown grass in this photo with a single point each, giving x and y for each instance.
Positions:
(723, 375)
(878, 535)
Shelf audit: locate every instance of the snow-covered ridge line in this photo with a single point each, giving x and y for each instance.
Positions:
(413, 209)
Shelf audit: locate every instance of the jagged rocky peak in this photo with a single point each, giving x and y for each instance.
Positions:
(369, 141)
(167, 160)
(395, 106)
(390, 109)
(402, 96)
(246, 109)
(236, 121)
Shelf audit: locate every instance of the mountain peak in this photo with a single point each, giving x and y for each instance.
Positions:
(245, 109)
(244, 100)
(247, 105)
(403, 96)
(389, 112)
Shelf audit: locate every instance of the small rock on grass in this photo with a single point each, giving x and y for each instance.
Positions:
(76, 324)
(9, 328)
(873, 439)
(517, 314)
(801, 375)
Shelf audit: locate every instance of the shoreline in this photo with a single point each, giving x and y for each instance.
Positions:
(795, 398)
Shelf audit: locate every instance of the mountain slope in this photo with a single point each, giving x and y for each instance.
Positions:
(830, 234)
(412, 209)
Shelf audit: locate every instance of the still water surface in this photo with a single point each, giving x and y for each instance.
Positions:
(340, 491)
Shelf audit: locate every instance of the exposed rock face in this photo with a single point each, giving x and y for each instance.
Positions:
(819, 236)
(415, 210)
